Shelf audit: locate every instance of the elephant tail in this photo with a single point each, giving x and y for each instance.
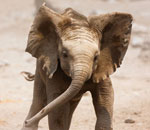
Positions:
(28, 76)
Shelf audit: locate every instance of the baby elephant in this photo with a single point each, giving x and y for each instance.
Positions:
(75, 54)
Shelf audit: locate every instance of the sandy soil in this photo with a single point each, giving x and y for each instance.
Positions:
(131, 82)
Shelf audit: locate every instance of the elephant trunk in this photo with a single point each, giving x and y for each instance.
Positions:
(80, 75)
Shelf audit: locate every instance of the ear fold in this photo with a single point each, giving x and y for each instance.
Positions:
(116, 30)
(43, 39)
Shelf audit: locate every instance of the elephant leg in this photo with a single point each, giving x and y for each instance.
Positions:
(60, 118)
(103, 98)
(73, 104)
(38, 101)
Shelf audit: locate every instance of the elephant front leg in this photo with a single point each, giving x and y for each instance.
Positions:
(103, 98)
(38, 102)
(60, 118)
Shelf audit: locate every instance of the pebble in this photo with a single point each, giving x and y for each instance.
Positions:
(129, 121)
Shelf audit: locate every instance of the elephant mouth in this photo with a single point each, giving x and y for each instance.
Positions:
(68, 72)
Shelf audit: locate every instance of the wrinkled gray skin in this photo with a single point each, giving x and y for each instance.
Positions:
(74, 55)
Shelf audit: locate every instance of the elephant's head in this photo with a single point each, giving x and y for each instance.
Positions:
(87, 48)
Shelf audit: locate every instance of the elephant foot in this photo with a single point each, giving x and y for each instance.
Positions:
(34, 127)
(104, 128)
(29, 128)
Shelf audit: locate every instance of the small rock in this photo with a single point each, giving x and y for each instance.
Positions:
(129, 121)
(137, 113)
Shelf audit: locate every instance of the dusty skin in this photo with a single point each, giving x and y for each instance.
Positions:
(131, 82)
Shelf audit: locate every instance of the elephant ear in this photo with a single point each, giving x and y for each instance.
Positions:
(115, 31)
(43, 39)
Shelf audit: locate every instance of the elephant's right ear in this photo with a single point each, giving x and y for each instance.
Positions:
(43, 39)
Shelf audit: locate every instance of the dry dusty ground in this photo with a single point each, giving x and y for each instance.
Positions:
(131, 82)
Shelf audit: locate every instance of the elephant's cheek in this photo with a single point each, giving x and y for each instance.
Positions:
(66, 69)
(67, 73)
(90, 71)
(94, 68)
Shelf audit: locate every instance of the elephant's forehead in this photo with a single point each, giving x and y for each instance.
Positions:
(81, 38)
(83, 34)
(80, 46)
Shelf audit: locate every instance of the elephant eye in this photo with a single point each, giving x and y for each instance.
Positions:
(64, 54)
(96, 57)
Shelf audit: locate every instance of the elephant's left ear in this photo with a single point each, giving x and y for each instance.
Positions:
(116, 30)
